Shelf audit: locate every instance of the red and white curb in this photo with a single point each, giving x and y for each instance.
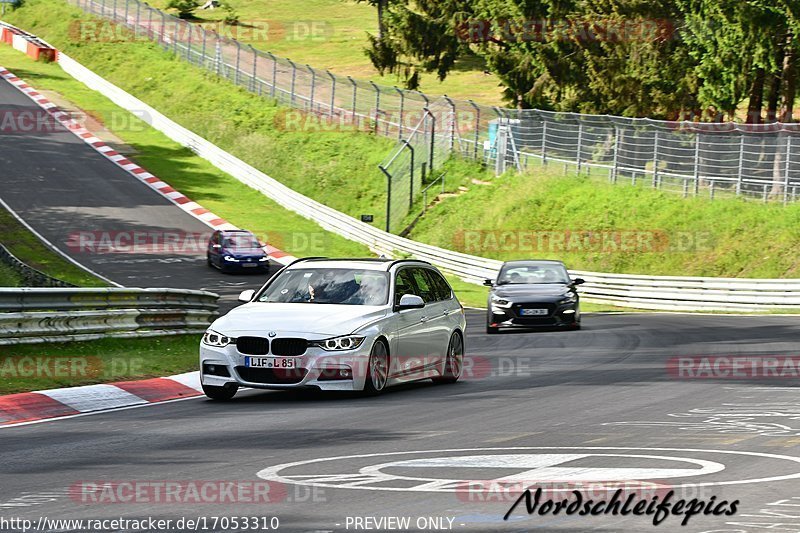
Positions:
(27, 407)
(193, 208)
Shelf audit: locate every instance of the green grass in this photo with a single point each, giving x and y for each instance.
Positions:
(33, 252)
(332, 34)
(9, 278)
(696, 236)
(29, 367)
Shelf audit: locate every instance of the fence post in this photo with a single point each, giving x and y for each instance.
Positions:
(697, 164)
(238, 63)
(138, 18)
(189, 44)
(786, 169)
(355, 95)
(580, 144)
(274, 74)
(294, 80)
(255, 70)
(477, 127)
(741, 166)
(400, 121)
(388, 197)
(411, 184)
(615, 161)
(125, 16)
(162, 31)
(313, 86)
(175, 36)
(452, 128)
(433, 138)
(333, 90)
(655, 159)
(377, 103)
(217, 54)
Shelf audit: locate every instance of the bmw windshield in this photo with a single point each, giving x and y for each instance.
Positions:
(341, 286)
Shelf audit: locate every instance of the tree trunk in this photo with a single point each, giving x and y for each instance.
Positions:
(773, 98)
(756, 97)
(789, 76)
(381, 24)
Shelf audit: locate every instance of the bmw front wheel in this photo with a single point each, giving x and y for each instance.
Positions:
(377, 369)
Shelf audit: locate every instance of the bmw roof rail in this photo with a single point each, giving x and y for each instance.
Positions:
(396, 261)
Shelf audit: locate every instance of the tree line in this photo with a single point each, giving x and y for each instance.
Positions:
(672, 59)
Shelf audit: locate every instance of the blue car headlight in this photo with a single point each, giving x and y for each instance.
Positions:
(231, 259)
(265, 258)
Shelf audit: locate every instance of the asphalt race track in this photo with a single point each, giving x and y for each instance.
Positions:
(597, 398)
(594, 410)
(63, 189)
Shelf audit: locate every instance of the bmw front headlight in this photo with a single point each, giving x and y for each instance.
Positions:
(265, 258)
(212, 338)
(346, 342)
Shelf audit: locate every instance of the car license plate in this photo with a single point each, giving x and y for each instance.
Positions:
(270, 362)
(533, 312)
(249, 265)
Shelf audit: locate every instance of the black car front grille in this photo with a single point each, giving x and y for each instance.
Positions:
(252, 345)
(289, 346)
(517, 310)
(272, 376)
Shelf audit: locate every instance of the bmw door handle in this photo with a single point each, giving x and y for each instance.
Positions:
(423, 319)
(446, 312)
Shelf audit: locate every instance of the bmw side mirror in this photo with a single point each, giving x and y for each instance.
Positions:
(216, 246)
(247, 295)
(410, 301)
(578, 281)
(488, 282)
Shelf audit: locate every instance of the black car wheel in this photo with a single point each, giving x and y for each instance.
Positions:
(454, 362)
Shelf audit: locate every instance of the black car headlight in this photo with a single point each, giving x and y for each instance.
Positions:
(346, 342)
(212, 338)
(500, 302)
(571, 298)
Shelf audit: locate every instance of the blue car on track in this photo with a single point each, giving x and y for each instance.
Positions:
(236, 251)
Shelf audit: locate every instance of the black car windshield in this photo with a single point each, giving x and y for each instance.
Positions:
(330, 286)
(530, 273)
(240, 242)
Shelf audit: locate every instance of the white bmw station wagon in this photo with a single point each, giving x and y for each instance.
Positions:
(338, 324)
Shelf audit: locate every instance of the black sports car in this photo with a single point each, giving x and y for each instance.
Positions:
(531, 294)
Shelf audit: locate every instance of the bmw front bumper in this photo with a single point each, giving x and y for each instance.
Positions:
(316, 368)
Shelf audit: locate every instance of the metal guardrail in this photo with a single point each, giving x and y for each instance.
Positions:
(646, 292)
(29, 315)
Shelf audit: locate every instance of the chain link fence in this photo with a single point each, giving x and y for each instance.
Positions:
(689, 158)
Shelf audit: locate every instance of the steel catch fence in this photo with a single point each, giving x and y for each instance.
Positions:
(689, 158)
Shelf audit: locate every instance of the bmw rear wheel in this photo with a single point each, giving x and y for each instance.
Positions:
(377, 369)
(454, 362)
